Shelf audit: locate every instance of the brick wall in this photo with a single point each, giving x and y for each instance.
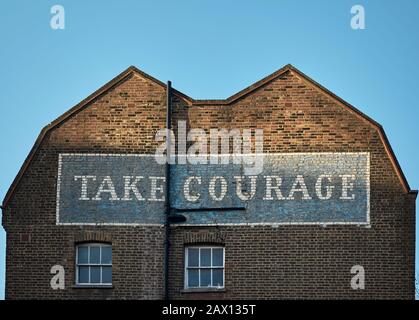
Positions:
(261, 261)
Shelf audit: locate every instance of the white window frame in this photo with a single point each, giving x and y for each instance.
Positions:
(199, 267)
(89, 245)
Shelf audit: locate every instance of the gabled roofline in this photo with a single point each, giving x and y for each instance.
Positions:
(130, 71)
(368, 120)
(245, 91)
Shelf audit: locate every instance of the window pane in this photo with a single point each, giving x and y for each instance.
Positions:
(205, 257)
(217, 257)
(82, 252)
(217, 278)
(83, 275)
(193, 256)
(193, 278)
(106, 274)
(94, 254)
(205, 277)
(94, 274)
(107, 255)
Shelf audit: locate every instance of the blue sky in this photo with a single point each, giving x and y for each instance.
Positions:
(209, 49)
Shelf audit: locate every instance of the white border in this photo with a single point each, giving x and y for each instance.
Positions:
(366, 224)
(60, 162)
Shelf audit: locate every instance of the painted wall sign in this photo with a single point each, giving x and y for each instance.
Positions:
(293, 188)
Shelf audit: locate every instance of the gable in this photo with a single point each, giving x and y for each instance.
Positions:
(132, 71)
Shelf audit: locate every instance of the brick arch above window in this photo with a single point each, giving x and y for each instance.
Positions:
(207, 237)
(93, 236)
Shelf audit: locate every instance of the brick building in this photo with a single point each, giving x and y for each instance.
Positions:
(76, 202)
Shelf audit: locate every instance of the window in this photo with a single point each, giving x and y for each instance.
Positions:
(204, 267)
(94, 264)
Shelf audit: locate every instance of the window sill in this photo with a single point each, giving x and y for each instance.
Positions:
(203, 290)
(92, 286)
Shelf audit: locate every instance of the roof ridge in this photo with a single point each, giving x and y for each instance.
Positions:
(249, 89)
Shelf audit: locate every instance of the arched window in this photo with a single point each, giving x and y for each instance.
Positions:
(204, 267)
(94, 264)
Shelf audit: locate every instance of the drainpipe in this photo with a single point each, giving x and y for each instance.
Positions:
(168, 208)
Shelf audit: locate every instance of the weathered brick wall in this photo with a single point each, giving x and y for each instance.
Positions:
(261, 261)
(123, 121)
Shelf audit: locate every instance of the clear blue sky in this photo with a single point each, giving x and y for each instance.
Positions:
(209, 49)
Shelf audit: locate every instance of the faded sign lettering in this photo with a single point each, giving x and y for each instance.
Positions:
(306, 188)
